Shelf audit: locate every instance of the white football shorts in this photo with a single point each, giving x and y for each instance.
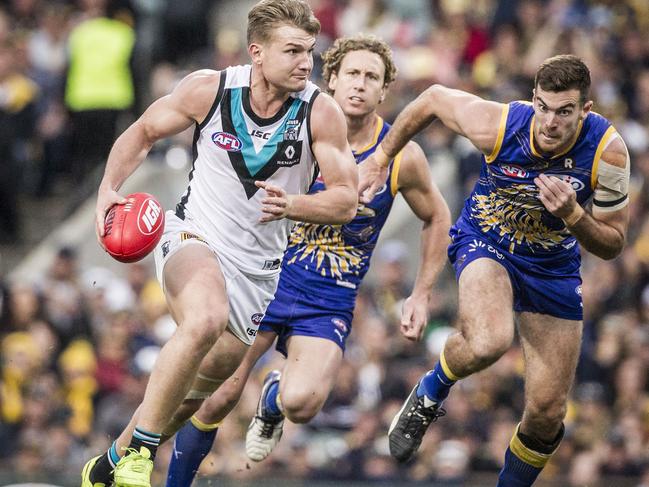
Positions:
(248, 296)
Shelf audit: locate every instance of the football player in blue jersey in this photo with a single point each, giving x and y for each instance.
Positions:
(515, 246)
(311, 315)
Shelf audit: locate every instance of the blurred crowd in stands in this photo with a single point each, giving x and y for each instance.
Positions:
(76, 347)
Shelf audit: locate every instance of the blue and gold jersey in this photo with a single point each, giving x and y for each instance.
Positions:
(505, 204)
(337, 257)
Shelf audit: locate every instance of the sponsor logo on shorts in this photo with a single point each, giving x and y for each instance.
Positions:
(578, 290)
(341, 337)
(340, 325)
(271, 265)
(226, 141)
(251, 332)
(165, 248)
(190, 236)
(256, 318)
(478, 244)
(347, 284)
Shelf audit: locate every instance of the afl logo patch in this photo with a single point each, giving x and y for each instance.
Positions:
(256, 318)
(514, 171)
(226, 141)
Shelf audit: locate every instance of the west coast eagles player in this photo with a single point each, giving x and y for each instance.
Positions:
(259, 130)
(311, 314)
(515, 247)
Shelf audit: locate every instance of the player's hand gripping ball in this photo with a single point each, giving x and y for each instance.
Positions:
(132, 230)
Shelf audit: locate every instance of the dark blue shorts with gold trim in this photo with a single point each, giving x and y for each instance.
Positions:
(300, 309)
(549, 286)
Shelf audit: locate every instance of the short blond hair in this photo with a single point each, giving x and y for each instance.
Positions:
(269, 14)
(333, 57)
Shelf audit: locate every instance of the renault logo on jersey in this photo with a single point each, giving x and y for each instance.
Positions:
(289, 153)
(226, 141)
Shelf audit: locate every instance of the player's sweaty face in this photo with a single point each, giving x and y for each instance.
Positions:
(288, 57)
(358, 85)
(556, 118)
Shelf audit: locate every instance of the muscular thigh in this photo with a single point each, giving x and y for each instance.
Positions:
(485, 301)
(194, 284)
(551, 348)
(311, 366)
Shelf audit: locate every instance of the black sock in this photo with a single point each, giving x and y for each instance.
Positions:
(102, 471)
(541, 446)
(141, 437)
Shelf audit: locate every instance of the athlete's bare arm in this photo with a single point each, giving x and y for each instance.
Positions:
(464, 113)
(602, 233)
(424, 198)
(189, 103)
(338, 202)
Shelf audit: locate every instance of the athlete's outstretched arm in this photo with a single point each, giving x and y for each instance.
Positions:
(339, 201)
(464, 113)
(190, 102)
(603, 232)
(424, 198)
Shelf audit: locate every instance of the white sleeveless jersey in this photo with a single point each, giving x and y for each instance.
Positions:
(233, 148)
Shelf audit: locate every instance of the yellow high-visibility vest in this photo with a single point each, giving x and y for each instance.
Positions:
(99, 75)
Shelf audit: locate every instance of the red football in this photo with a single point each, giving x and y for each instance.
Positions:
(133, 229)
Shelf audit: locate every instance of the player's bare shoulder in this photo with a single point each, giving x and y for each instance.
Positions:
(196, 93)
(616, 154)
(326, 117)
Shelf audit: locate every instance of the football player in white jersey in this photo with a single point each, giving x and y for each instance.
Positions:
(215, 295)
(312, 313)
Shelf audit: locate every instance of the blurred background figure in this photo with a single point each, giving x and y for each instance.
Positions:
(99, 83)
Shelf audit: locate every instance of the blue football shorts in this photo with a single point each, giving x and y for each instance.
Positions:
(549, 286)
(306, 311)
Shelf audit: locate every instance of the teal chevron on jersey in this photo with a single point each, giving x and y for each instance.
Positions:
(254, 160)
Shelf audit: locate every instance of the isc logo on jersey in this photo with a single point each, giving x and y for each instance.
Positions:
(149, 219)
(226, 141)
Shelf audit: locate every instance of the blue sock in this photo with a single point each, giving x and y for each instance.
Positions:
(436, 384)
(191, 446)
(271, 400)
(516, 472)
(525, 458)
